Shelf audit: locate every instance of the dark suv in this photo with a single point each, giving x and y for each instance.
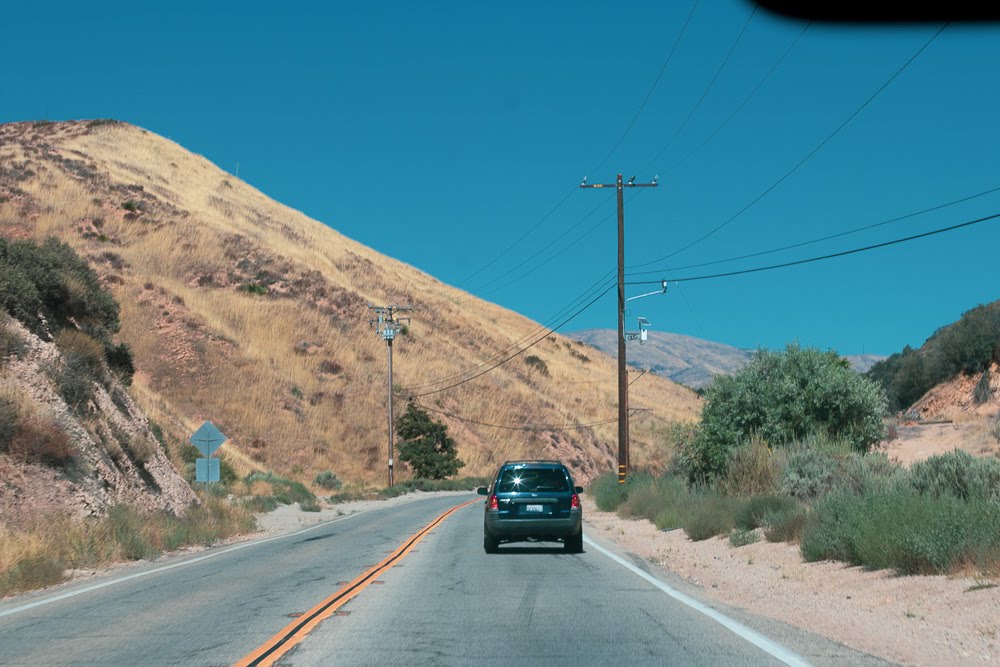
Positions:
(533, 500)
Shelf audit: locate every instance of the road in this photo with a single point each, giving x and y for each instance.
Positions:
(445, 602)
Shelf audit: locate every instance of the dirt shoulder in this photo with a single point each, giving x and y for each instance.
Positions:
(913, 620)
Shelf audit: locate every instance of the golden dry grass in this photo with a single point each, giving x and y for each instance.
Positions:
(206, 350)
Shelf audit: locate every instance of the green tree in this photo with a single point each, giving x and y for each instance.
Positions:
(425, 445)
(50, 289)
(783, 397)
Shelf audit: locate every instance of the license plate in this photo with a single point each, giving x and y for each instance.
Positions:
(534, 508)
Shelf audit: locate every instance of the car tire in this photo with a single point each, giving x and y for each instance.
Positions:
(490, 544)
(574, 543)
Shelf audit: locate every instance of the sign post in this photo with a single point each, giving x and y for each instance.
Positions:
(207, 440)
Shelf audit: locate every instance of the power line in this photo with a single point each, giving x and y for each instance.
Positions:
(824, 257)
(651, 89)
(590, 230)
(706, 91)
(628, 129)
(518, 241)
(522, 350)
(589, 292)
(539, 252)
(822, 238)
(809, 155)
(523, 427)
(742, 104)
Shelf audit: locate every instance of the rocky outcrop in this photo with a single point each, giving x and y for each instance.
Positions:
(106, 453)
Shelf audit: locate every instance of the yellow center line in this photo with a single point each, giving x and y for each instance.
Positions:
(293, 633)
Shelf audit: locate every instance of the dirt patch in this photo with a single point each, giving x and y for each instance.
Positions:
(913, 620)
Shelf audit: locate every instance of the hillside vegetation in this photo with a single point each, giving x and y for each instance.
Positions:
(783, 453)
(243, 311)
(968, 346)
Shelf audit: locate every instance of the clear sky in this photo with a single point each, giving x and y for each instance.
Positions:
(439, 133)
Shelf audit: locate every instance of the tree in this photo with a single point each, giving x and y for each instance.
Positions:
(425, 445)
(783, 397)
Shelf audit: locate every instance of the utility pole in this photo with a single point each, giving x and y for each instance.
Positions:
(623, 453)
(386, 324)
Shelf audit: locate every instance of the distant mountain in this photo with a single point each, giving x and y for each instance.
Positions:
(687, 360)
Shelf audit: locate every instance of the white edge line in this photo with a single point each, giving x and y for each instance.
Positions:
(171, 566)
(769, 646)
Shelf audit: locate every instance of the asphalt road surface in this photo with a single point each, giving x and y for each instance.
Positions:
(439, 601)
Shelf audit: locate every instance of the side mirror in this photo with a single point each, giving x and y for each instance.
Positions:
(578, 489)
(481, 490)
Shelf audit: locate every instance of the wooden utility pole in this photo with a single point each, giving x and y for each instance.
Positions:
(623, 440)
(388, 325)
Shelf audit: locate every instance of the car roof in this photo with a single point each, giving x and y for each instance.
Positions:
(538, 463)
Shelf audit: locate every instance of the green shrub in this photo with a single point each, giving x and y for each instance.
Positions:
(782, 397)
(537, 363)
(982, 392)
(127, 528)
(810, 472)
(328, 480)
(752, 469)
(959, 474)
(10, 417)
(49, 288)
(755, 512)
(285, 491)
(741, 537)
(608, 494)
(253, 288)
(785, 525)
(709, 515)
(11, 344)
(649, 497)
(903, 529)
(309, 505)
(862, 473)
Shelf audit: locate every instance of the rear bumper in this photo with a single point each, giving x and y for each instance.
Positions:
(538, 528)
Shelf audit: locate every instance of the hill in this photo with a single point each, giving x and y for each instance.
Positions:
(243, 311)
(687, 360)
(968, 346)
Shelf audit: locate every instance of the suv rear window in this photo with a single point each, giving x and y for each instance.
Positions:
(532, 480)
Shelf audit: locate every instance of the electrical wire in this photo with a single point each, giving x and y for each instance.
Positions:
(739, 108)
(518, 241)
(617, 145)
(525, 427)
(809, 155)
(822, 238)
(588, 293)
(523, 349)
(642, 106)
(824, 257)
(705, 92)
(565, 249)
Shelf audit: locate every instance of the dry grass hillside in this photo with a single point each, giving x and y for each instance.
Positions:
(246, 312)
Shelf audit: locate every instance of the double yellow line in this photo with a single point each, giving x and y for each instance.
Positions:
(293, 633)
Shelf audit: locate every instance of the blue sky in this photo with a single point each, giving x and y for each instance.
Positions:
(439, 133)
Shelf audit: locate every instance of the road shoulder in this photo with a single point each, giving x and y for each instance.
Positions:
(908, 620)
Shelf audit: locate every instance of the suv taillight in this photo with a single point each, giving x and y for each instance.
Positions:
(574, 502)
(492, 505)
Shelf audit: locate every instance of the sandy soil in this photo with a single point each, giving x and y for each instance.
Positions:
(909, 620)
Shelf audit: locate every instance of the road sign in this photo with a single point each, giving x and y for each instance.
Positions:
(207, 439)
(206, 470)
